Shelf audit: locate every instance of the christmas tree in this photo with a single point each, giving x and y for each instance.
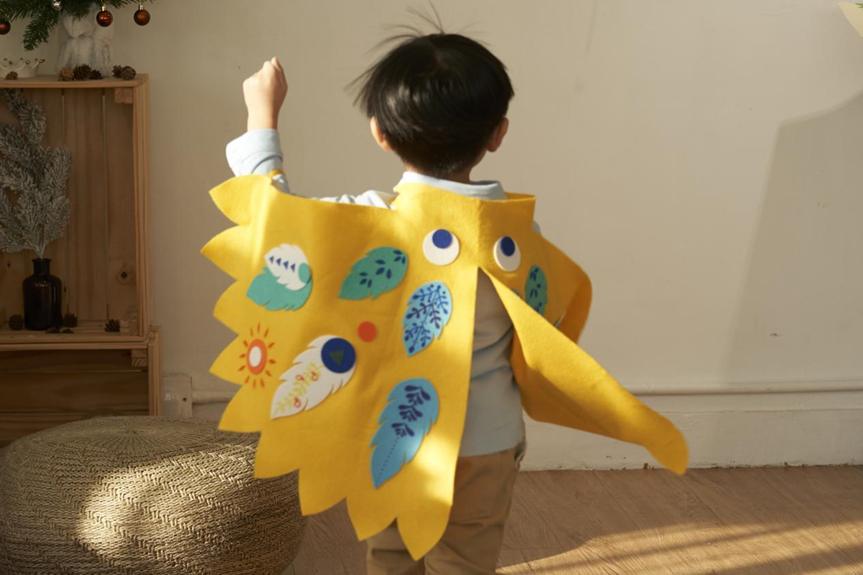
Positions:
(34, 209)
(44, 14)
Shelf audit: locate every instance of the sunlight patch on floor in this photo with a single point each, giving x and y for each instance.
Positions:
(738, 549)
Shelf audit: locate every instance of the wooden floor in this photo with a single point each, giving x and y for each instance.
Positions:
(729, 522)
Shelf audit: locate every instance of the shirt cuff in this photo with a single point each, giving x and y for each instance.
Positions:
(255, 152)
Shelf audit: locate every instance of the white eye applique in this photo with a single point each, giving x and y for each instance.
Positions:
(441, 247)
(506, 254)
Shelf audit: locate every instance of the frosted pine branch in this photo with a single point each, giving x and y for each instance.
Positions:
(31, 119)
(13, 176)
(14, 147)
(34, 209)
(11, 238)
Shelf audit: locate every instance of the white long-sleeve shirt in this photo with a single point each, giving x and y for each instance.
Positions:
(494, 419)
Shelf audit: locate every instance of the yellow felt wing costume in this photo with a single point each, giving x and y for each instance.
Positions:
(354, 340)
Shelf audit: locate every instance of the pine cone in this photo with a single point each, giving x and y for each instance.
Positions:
(13, 75)
(16, 322)
(112, 326)
(95, 75)
(82, 72)
(128, 73)
(124, 72)
(67, 75)
(70, 320)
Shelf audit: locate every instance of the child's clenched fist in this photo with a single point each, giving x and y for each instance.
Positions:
(264, 93)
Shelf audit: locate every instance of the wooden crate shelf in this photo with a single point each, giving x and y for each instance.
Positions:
(102, 261)
(40, 389)
(102, 257)
(88, 335)
(51, 82)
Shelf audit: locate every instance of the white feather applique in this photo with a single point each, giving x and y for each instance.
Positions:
(285, 283)
(285, 262)
(321, 370)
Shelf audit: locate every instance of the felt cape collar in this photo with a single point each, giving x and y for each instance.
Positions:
(354, 341)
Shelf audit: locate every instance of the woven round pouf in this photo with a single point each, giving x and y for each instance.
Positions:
(143, 495)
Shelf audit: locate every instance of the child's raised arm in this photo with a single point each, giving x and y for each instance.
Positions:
(259, 151)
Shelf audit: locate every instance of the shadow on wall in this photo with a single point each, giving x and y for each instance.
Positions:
(800, 316)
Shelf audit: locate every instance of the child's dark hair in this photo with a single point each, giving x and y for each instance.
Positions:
(437, 100)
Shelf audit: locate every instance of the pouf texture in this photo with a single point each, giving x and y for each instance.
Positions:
(143, 495)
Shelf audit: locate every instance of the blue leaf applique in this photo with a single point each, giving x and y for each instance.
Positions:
(381, 270)
(429, 310)
(411, 410)
(536, 290)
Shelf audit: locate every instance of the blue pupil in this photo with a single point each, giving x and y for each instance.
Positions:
(338, 355)
(442, 239)
(507, 246)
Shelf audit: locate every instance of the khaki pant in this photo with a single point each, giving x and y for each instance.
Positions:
(473, 537)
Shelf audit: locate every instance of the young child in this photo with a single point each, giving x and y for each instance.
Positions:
(439, 102)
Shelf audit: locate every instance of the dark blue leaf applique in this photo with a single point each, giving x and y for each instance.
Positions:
(411, 410)
(429, 310)
(381, 270)
(536, 290)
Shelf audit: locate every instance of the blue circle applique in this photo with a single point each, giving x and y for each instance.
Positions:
(338, 355)
(506, 254)
(507, 246)
(441, 247)
(442, 239)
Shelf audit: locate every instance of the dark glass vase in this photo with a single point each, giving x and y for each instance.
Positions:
(42, 294)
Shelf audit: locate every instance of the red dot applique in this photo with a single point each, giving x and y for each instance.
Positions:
(367, 331)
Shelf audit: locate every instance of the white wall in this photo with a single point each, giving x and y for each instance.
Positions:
(702, 160)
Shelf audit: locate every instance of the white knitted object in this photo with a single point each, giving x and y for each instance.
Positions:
(85, 42)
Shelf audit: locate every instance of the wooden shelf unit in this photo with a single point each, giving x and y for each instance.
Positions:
(103, 261)
(86, 335)
(52, 83)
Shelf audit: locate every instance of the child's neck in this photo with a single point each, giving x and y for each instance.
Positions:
(462, 177)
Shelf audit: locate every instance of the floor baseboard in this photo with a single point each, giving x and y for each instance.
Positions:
(772, 424)
(731, 425)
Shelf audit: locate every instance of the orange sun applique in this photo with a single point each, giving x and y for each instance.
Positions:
(257, 357)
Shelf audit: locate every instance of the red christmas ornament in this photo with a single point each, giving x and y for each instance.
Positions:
(104, 18)
(5, 27)
(142, 16)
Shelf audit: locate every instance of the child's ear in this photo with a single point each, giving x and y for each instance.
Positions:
(378, 135)
(498, 135)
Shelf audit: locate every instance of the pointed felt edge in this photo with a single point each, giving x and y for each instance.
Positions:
(671, 451)
(236, 197)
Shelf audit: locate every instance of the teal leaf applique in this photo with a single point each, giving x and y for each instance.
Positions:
(429, 310)
(411, 410)
(286, 281)
(536, 290)
(381, 270)
(266, 291)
